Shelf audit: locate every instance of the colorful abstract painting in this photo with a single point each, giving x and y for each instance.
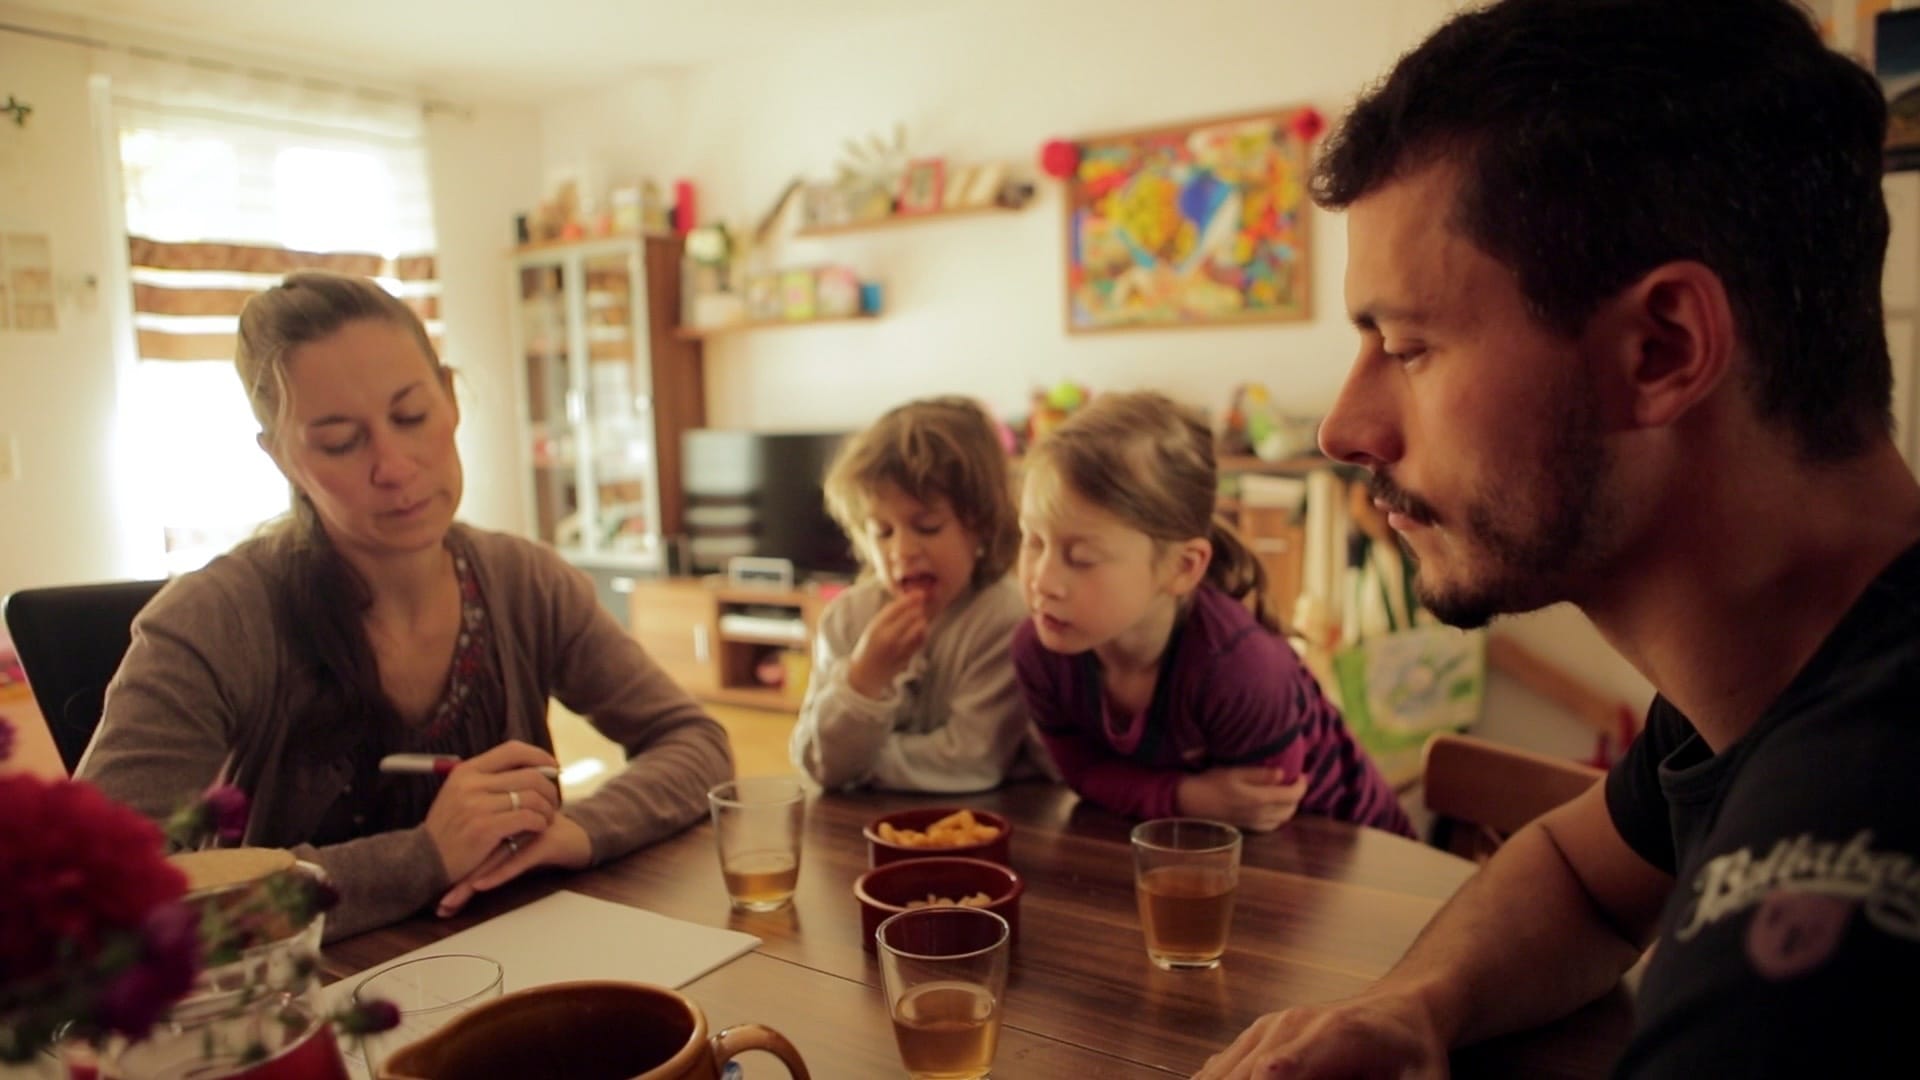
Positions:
(1192, 225)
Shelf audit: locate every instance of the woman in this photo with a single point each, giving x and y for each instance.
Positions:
(368, 622)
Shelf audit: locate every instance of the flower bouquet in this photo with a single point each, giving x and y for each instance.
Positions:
(124, 961)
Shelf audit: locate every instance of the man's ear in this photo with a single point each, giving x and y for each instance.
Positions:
(1678, 341)
(1188, 560)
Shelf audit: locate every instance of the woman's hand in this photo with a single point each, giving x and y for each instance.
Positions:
(487, 799)
(564, 844)
(888, 644)
(1250, 796)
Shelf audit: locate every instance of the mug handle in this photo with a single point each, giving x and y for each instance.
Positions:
(740, 1038)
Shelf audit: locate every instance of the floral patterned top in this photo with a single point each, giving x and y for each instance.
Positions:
(469, 719)
(473, 684)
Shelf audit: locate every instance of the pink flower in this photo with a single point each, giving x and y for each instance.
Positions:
(220, 812)
(368, 1018)
(227, 805)
(93, 936)
(170, 955)
(81, 867)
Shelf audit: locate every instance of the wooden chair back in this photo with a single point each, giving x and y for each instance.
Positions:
(1482, 792)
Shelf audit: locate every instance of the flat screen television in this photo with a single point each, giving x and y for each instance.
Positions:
(758, 493)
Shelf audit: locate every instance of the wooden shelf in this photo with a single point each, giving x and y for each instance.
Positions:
(728, 593)
(1247, 463)
(689, 333)
(584, 241)
(774, 640)
(754, 698)
(893, 220)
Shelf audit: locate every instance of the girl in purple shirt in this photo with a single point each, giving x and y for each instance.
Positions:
(1158, 691)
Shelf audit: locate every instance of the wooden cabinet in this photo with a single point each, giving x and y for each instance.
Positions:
(1279, 542)
(1275, 533)
(673, 620)
(715, 640)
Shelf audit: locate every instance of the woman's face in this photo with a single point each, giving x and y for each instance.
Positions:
(369, 439)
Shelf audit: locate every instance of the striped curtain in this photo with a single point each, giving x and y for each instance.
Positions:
(187, 295)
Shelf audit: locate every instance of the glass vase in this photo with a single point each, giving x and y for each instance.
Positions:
(283, 1040)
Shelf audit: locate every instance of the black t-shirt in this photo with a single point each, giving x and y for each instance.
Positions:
(1792, 939)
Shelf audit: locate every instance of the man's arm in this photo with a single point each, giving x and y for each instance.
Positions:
(1559, 913)
(1549, 924)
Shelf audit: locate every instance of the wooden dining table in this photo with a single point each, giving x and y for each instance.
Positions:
(1323, 908)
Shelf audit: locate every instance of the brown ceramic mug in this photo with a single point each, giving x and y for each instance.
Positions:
(585, 1031)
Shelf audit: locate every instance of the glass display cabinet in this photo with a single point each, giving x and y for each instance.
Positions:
(609, 389)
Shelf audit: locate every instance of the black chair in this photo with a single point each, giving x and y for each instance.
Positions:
(70, 639)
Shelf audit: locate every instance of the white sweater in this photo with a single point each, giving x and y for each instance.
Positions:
(953, 721)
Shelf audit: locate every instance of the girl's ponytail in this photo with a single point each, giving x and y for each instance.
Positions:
(1238, 573)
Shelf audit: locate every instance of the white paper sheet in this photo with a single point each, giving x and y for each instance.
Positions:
(569, 936)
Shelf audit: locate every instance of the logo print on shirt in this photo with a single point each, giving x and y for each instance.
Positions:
(1791, 932)
(1795, 932)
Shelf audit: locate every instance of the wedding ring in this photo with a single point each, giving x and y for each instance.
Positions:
(513, 800)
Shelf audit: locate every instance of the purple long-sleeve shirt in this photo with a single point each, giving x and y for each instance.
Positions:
(1230, 692)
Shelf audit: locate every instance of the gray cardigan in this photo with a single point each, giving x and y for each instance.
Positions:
(209, 667)
(953, 721)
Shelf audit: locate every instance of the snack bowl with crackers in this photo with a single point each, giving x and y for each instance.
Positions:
(888, 890)
(938, 831)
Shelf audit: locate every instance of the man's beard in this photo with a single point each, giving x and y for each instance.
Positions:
(1519, 565)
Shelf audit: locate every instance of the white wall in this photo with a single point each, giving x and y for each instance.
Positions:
(57, 516)
(975, 305)
(483, 173)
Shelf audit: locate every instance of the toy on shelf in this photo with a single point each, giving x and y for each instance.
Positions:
(1254, 426)
(558, 218)
(1052, 406)
(708, 295)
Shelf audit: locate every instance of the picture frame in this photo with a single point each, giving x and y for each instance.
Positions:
(1204, 223)
(923, 186)
(1896, 62)
(1847, 25)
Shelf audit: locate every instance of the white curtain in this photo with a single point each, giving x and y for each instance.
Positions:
(232, 177)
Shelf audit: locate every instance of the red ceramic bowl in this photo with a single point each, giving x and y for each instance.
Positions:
(885, 890)
(881, 852)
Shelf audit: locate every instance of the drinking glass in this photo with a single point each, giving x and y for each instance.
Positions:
(429, 992)
(945, 973)
(1185, 871)
(757, 822)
